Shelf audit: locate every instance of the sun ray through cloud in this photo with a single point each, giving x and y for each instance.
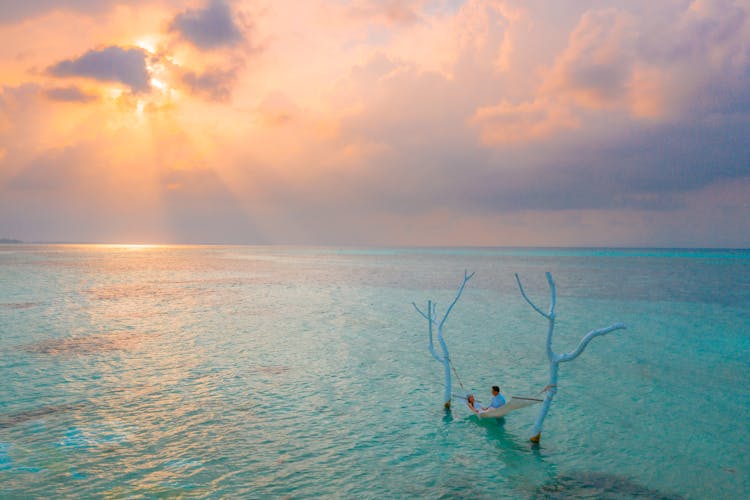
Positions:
(349, 116)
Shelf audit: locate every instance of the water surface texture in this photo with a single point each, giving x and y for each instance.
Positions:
(261, 371)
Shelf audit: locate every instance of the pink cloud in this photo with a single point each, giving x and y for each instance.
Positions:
(388, 11)
(508, 123)
(488, 122)
(652, 63)
(594, 69)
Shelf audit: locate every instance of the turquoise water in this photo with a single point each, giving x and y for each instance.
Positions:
(301, 372)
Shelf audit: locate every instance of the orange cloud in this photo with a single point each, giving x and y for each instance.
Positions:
(354, 117)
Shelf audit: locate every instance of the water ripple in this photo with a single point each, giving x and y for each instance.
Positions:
(245, 372)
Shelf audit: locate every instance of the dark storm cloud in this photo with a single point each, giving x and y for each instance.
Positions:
(209, 28)
(115, 64)
(649, 171)
(647, 168)
(69, 94)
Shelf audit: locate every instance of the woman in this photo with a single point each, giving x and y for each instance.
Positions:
(472, 404)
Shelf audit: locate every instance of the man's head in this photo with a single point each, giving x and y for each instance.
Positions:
(495, 390)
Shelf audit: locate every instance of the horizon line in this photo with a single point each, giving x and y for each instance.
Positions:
(10, 241)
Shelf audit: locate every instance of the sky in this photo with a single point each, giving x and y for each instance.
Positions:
(376, 122)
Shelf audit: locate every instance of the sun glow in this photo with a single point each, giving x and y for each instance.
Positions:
(155, 82)
(160, 66)
(130, 246)
(148, 44)
(114, 92)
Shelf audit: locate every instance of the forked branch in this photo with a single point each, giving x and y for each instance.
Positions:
(467, 277)
(421, 313)
(551, 283)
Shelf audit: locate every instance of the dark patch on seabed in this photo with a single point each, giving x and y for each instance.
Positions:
(449, 488)
(272, 370)
(597, 485)
(13, 419)
(89, 344)
(19, 305)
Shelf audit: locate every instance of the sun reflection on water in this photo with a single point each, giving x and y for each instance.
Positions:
(132, 246)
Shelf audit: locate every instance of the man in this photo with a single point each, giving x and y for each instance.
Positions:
(497, 399)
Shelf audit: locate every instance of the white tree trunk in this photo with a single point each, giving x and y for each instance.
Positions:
(554, 358)
(432, 322)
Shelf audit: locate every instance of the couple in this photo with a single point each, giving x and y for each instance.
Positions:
(497, 401)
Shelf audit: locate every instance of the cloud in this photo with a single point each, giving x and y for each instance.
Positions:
(209, 28)
(389, 11)
(656, 169)
(26, 125)
(483, 123)
(513, 123)
(575, 141)
(637, 63)
(14, 10)
(276, 109)
(114, 64)
(213, 83)
(595, 68)
(69, 94)
(51, 171)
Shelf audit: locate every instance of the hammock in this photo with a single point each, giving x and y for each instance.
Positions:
(513, 403)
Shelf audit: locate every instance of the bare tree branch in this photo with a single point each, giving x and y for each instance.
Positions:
(586, 339)
(421, 313)
(520, 287)
(431, 322)
(553, 295)
(467, 277)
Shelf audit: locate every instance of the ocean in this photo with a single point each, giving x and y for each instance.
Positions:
(254, 372)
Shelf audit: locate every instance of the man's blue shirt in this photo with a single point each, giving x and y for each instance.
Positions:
(497, 401)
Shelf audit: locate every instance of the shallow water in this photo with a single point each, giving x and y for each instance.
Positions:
(247, 371)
